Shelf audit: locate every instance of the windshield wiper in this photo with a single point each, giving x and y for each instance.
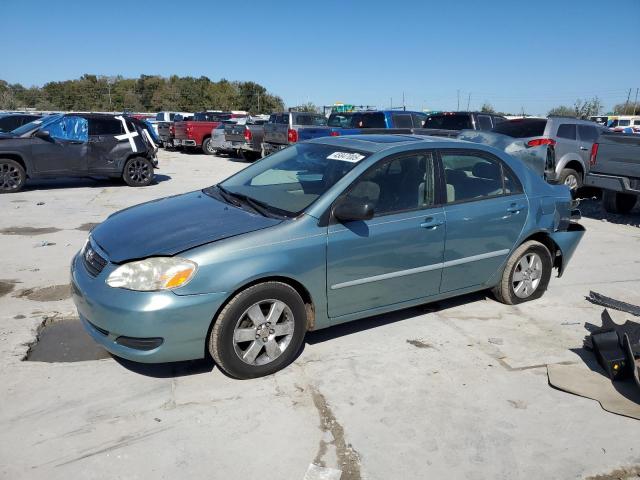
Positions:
(238, 199)
(228, 196)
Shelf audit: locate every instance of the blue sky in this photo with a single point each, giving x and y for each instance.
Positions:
(515, 54)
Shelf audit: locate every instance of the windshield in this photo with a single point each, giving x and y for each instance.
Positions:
(292, 179)
(449, 122)
(39, 123)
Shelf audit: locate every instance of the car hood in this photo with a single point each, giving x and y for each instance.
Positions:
(168, 226)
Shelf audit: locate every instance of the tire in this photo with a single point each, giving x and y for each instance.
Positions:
(12, 176)
(260, 337)
(207, 147)
(616, 202)
(512, 291)
(570, 178)
(138, 172)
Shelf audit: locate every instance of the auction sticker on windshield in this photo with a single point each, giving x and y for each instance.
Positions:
(346, 156)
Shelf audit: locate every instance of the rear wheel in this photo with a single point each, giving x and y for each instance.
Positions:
(12, 176)
(138, 172)
(616, 202)
(207, 147)
(526, 274)
(570, 178)
(259, 331)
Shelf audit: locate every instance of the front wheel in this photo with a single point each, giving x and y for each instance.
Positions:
(616, 202)
(526, 274)
(138, 172)
(12, 176)
(259, 331)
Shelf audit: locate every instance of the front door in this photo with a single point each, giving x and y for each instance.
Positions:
(485, 213)
(65, 151)
(397, 255)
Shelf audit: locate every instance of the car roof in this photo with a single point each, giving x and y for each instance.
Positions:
(375, 143)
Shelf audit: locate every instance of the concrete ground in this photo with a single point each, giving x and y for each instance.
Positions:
(453, 390)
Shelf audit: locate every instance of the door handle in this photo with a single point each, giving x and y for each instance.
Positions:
(431, 223)
(584, 148)
(515, 208)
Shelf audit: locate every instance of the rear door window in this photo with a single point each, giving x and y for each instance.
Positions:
(474, 176)
(105, 126)
(522, 128)
(484, 122)
(588, 133)
(567, 130)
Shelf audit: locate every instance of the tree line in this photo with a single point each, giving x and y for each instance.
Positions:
(581, 109)
(148, 93)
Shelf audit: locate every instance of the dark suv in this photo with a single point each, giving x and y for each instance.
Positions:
(79, 145)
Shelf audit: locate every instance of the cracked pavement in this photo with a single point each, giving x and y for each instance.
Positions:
(457, 389)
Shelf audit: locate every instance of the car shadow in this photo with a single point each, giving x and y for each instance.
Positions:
(90, 182)
(169, 369)
(356, 326)
(591, 207)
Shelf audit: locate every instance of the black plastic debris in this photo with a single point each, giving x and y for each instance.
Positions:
(615, 346)
(599, 299)
(610, 355)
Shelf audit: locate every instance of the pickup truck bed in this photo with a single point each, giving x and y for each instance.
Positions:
(246, 139)
(615, 169)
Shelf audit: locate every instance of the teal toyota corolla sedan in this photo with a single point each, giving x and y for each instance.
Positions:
(323, 232)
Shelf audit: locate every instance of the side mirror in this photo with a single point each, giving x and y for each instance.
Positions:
(43, 134)
(352, 210)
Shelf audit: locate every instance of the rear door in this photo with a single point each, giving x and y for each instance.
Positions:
(485, 212)
(65, 152)
(397, 255)
(104, 148)
(566, 139)
(587, 136)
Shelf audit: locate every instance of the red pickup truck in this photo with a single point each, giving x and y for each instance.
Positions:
(197, 132)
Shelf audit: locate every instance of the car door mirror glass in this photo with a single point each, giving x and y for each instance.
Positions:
(43, 134)
(352, 210)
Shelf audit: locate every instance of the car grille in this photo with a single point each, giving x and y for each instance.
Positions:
(93, 262)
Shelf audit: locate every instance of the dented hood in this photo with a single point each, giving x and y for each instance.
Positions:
(171, 225)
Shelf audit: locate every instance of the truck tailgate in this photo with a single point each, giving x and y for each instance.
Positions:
(234, 133)
(276, 133)
(307, 133)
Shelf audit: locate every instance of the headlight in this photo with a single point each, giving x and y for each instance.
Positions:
(159, 273)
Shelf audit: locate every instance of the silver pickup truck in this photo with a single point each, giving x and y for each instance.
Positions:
(615, 169)
(282, 129)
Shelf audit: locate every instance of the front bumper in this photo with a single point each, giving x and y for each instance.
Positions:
(181, 321)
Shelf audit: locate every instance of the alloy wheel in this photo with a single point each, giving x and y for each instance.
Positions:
(263, 332)
(527, 275)
(9, 177)
(571, 181)
(138, 171)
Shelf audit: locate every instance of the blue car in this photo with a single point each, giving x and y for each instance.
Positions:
(321, 233)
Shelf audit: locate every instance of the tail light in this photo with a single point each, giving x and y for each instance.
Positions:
(334, 134)
(248, 135)
(536, 142)
(292, 135)
(594, 154)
